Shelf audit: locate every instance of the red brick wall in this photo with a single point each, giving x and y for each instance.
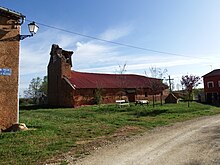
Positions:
(9, 58)
(86, 96)
(59, 91)
(215, 80)
(212, 95)
(61, 94)
(66, 95)
(54, 76)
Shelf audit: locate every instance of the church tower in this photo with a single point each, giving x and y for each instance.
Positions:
(59, 71)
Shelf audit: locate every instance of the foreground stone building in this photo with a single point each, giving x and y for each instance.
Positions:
(67, 88)
(10, 22)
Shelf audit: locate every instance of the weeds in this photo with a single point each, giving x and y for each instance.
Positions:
(54, 131)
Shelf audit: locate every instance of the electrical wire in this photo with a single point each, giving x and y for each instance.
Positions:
(113, 42)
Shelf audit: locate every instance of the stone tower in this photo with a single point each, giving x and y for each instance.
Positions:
(59, 72)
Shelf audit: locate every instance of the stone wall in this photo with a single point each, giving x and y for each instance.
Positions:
(86, 96)
(212, 94)
(9, 62)
(59, 68)
(61, 93)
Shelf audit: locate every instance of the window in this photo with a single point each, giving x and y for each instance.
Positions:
(210, 84)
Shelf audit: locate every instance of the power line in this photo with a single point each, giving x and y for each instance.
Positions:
(115, 43)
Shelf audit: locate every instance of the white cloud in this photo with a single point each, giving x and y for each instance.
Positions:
(91, 49)
(116, 32)
(35, 54)
(96, 56)
(137, 63)
(93, 54)
(35, 51)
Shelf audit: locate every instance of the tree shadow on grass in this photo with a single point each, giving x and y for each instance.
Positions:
(36, 107)
(151, 113)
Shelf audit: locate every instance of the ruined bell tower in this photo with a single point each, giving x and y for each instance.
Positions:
(59, 71)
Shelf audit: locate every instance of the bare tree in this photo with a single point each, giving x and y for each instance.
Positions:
(122, 79)
(158, 72)
(122, 69)
(156, 85)
(178, 87)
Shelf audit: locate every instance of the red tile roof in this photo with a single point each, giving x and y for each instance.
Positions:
(215, 72)
(97, 80)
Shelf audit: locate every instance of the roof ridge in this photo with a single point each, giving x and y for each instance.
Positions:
(130, 74)
(212, 73)
(103, 80)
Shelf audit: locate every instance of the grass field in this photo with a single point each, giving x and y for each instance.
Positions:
(56, 131)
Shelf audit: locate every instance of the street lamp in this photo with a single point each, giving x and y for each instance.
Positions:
(33, 28)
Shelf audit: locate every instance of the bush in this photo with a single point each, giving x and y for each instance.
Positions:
(25, 102)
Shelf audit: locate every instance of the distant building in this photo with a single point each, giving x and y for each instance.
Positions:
(171, 98)
(68, 88)
(10, 22)
(212, 87)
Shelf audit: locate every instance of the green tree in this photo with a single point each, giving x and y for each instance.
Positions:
(98, 96)
(44, 85)
(36, 86)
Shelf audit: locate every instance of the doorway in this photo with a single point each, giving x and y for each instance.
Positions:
(131, 97)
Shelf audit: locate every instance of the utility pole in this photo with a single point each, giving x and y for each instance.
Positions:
(170, 83)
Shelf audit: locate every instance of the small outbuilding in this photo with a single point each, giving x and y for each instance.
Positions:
(171, 98)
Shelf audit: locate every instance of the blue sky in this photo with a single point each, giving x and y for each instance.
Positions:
(189, 28)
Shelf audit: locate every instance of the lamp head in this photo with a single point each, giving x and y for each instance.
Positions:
(33, 28)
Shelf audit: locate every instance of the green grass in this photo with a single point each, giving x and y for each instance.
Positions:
(54, 131)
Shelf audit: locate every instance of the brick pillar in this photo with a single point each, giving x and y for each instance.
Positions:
(9, 63)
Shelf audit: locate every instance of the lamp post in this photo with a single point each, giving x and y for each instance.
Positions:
(33, 28)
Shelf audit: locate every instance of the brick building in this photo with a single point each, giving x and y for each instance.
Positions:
(10, 22)
(212, 87)
(68, 88)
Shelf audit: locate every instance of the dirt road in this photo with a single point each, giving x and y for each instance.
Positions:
(195, 142)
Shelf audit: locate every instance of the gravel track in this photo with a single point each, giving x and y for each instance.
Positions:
(194, 142)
